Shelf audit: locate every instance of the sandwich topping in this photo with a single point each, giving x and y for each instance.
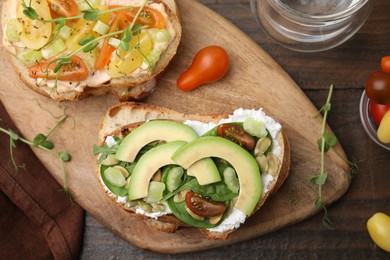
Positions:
(207, 175)
(68, 45)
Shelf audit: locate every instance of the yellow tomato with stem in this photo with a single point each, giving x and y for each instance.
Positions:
(35, 34)
(127, 62)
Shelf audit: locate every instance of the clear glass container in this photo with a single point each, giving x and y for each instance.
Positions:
(368, 122)
(311, 25)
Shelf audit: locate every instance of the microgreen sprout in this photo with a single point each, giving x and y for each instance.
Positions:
(325, 142)
(40, 141)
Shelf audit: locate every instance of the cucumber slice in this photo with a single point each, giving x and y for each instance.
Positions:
(155, 191)
(30, 57)
(13, 27)
(159, 35)
(53, 49)
(255, 127)
(174, 178)
(115, 177)
(101, 28)
(231, 180)
(65, 32)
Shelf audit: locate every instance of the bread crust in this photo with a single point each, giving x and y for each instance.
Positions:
(125, 88)
(122, 118)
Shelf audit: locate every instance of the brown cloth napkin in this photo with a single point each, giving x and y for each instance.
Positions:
(37, 220)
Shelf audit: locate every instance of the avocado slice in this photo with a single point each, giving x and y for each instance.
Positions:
(242, 161)
(147, 165)
(150, 131)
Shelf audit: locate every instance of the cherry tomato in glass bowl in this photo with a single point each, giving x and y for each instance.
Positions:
(368, 122)
(378, 87)
(378, 111)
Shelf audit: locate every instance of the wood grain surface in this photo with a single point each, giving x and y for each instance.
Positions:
(313, 73)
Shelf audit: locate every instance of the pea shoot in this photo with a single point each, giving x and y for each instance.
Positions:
(42, 142)
(325, 142)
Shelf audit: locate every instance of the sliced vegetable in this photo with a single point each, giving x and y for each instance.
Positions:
(231, 180)
(80, 30)
(65, 8)
(127, 62)
(101, 28)
(148, 16)
(236, 134)
(30, 57)
(255, 127)
(203, 207)
(35, 33)
(65, 32)
(379, 229)
(174, 178)
(115, 177)
(159, 35)
(53, 49)
(210, 64)
(12, 30)
(74, 71)
(106, 50)
(155, 191)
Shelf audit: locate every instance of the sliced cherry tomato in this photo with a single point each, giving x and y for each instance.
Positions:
(75, 71)
(385, 64)
(203, 207)
(378, 111)
(237, 134)
(106, 50)
(209, 65)
(66, 8)
(378, 87)
(148, 16)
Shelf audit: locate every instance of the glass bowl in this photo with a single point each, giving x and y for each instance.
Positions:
(368, 122)
(311, 25)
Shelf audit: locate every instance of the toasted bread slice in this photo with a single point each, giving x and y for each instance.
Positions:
(124, 117)
(131, 87)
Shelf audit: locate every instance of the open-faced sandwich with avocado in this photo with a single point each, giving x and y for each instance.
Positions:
(175, 170)
(69, 49)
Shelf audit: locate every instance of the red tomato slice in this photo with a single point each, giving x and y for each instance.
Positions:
(148, 16)
(203, 207)
(66, 8)
(236, 134)
(378, 111)
(75, 71)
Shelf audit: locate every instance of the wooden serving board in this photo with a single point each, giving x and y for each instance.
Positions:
(254, 80)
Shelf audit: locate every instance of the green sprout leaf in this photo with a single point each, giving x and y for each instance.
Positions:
(83, 41)
(91, 15)
(64, 156)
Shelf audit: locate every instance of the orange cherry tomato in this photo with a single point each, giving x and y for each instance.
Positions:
(106, 50)
(148, 16)
(203, 207)
(75, 71)
(236, 134)
(385, 64)
(66, 8)
(209, 65)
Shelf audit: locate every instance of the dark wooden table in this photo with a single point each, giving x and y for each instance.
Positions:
(347, 67)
